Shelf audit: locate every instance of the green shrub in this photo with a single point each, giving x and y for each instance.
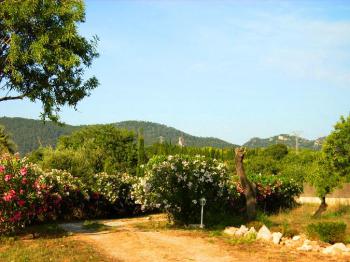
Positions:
(330, 232)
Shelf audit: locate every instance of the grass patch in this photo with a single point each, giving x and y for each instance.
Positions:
(95, 226)
(295, 221)
(49, 243)
(330, 232)
(43, 250)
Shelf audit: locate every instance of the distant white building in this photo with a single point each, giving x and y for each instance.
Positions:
(161, 139)
(282, 138)
(181, 141)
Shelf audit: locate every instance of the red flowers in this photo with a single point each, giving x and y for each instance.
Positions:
(2, 169)
(9, 195)
(23, 171)
(8, 178)
(24, 181)
(21, 202)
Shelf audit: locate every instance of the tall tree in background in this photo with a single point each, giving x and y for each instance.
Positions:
(6, 143)
(42, 56)
(248, 187)
(141, 155)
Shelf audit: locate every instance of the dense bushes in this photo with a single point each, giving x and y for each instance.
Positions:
(25, 196)
(28, 194)
(275, 192)
(331, 232)
(91, 150)
(175, 184)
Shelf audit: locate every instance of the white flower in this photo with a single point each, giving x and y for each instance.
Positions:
(194, 202)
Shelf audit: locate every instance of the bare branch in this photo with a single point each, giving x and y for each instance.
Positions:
(6, 98)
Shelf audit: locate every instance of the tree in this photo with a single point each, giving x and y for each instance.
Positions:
(248, 187)
(6, 143)
(277, 151)
(337, 148)
(333, 167)
(105, 148)
(42, 55)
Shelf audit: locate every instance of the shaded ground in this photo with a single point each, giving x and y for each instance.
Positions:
(129, 242)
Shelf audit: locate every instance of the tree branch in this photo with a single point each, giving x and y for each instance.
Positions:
(6, 98)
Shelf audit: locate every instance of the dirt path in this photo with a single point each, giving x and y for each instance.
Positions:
(130, 243)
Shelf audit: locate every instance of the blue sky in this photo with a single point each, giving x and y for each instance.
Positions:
(229, 69)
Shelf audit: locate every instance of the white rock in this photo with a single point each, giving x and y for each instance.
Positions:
(276, 237)
(251, 231)
(230, 230)
(241, 231)
(296, 238)
(305, 247)
(337, 248)
(307, 242)
(264, 234)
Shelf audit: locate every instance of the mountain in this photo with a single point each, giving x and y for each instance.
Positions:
(153, 133)
(29, 134)
(286, 139)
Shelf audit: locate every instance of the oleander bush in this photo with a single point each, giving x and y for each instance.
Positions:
(175, 184)
(331, 232)
(30, 195)
(25, 196)
(276, 192)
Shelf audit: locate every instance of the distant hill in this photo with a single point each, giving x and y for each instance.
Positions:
(29, 134)
(153, 133)
(286, 139)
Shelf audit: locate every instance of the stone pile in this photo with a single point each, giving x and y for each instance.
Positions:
(299, 242)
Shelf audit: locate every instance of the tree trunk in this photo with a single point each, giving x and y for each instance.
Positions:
(248, 187)
(321, 208)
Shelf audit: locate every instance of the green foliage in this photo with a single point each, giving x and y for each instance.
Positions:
(337, 148)
(175, 184)
(277, 151)
(330, 232)
(6, 143)
(42, 55)
(91, 150)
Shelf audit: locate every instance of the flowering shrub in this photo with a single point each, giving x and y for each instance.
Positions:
(175, 184)
(274, 192)
(114, 190)
(71, 192)
(23, 193)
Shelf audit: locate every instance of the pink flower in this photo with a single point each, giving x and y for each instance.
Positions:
(23, 171)
(8, 177)
(21, 202)
(2, 169)
(21, 191)
(24, 181)
(17, 216)
(9, 195)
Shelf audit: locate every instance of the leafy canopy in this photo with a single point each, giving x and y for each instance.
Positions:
(337, 148)
(42, 55)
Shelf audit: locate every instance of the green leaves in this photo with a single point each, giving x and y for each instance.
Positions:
(42, 56)
(337, 148)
